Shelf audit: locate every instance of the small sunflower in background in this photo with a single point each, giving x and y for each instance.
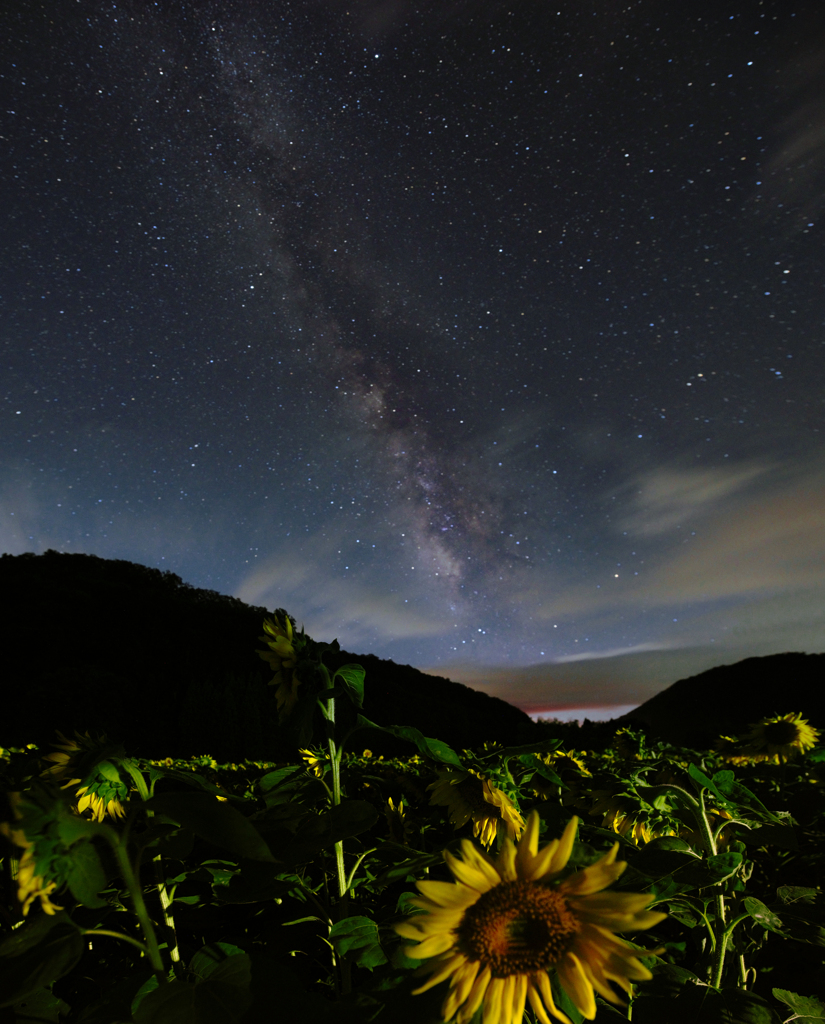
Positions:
(622, 816)
(282, 657)
(570, 768)
(498, 930)
(89, 764)
(315, 762)
(628, 744)
(781, 737)
(396, 820)
(468, 796)
(636, 828)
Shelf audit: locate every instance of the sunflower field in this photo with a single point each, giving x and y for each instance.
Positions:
(537, 883)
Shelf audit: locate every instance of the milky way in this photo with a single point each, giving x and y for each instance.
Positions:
(474, 334)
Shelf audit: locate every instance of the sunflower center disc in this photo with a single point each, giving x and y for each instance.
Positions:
(518, 927)
(780, 733)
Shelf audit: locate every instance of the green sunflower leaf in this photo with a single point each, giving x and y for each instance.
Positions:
(207, 959)
(357, 938)
(212, 820)
(436, 750)
(40, 1007)
(677, 996)
(763, 915)
(725, 783)
(796, 894)
(46, 948)
(86, 876)
(808, 1009)
(352, 676)
(220, 993)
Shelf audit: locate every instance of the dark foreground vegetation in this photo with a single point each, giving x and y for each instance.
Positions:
(233, 852)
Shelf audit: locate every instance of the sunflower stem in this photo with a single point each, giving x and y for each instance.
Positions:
(160, 874)
(343, 884)
(133, 885)
(720, 930)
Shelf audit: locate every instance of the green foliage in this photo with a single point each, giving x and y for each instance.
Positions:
(238, 892)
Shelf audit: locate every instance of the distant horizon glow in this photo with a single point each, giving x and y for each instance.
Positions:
(595, 714)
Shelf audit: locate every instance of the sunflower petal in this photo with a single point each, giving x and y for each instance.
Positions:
(431, 946)
(565, 847)
(471, 875)
(576, 985)
(541, 983)
(447, 894)
(445, 969)
(492, 1002)
(480, 861)
(477, 994)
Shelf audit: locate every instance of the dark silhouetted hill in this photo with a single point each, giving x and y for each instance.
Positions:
(172, 670)
(725, 700)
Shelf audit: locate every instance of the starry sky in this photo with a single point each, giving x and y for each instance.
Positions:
(484, 336)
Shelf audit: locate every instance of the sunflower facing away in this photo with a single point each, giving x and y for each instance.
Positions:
(30, 886)
(470, 797)
(503, 924)
(282, 657)
(103, 792)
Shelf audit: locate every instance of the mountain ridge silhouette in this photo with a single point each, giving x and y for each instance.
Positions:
(172, 670)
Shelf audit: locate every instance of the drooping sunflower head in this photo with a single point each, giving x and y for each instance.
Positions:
(470, 797)
(315, 762)
(781, 737)
(285, 648)
(31, 886)
(505, 926)
(94, 763)
(74, 758)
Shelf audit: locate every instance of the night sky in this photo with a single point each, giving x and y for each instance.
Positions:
(477, 335)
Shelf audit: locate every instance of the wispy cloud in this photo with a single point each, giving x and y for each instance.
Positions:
(670, 497)
(359, 611)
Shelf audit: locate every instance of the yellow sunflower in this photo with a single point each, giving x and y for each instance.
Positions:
(30, 886)
(503, 924)
(622, 816)
(780, 738)
(396, 820)
(315, 763)
(99, 806)
(470, 797)
(74, 758)
(282, 658)
(66, 759)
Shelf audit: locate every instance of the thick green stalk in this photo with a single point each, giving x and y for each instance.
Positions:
(160, 874)
(721, 932)
(142, 914)
(343, 887)
(335, 764)
(721, 929)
